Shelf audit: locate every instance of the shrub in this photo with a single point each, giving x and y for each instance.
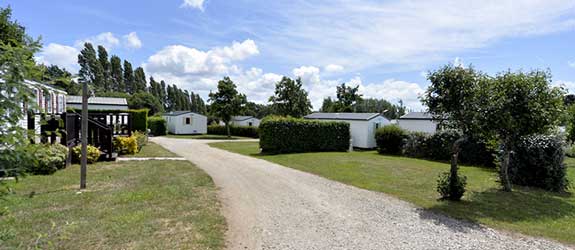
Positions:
(537, 161)
(139, 120)
(244, 131)
(287, 135)
(141, 139)
(415, 145)
(451, 190)
(126, 145)
(389, 139)
(158, 125)
(93, 154)
(440, 145)
(48, 158)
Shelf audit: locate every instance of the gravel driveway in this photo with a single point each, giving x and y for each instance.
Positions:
(268, 206)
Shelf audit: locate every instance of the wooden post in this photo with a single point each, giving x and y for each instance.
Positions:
(84, 160)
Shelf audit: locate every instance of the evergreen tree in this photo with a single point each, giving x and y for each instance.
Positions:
(117, 79)
(139, 80)
(128, 77)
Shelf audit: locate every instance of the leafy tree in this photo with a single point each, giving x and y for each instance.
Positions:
(290, 99)
(139, 80)
(516, 104)
(197, 104)
(142, 100)
(103, 59)
(129, 80)
(257, 110)
(371, 105)
(116, 74)
(60, 78)
(328, 105)
(226, 102)
(452, 94)
(347, 97)
(90, 68)
(11, 32)
(163, 95)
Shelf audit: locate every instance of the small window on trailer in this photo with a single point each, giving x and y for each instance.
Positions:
(188, 120)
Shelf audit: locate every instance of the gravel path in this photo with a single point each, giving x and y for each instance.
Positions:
(268, 206)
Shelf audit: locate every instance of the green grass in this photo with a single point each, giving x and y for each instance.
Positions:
(152, 150)
(526, 210)
(207, 137)
(128, 205)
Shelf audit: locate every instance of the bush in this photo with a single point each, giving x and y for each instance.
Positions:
(451, 189)
(440, 145)
(244, 131)
(158, 125)
(537, 161)
(48, 158)
(415, 145)
(141, 139)
(126, 145)
(389, 139)
(287, 135)
(93, 154)
(139, 120)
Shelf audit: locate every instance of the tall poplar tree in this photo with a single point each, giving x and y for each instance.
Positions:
(128, 77)
(90, 68)
(116, 74)
(105, 63)
(139, 80)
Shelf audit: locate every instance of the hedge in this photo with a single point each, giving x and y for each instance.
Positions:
(158, 125)
(290, 135)
(389, 139)
(244, 131)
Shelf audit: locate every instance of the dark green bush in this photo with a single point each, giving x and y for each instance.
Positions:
(415, 145)
(440, 145)
(290, 135)
(48, 158)
(139, 120)
(389, 139)
(537, 161)
(451, 189)
(244, 131)
(158, 125)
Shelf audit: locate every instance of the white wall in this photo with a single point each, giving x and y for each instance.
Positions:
(176, 124)
(426, 126)
(363, 132)
(255, 122)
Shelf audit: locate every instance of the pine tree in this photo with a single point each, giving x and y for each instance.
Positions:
(117, 79)
(128, 77)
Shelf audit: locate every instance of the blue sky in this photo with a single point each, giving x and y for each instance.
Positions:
(384, 46)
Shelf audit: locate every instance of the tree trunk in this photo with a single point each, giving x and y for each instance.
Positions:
(454, 158)
(504, 169)
(228, 130)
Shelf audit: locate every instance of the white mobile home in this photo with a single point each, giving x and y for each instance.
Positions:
(186, 122)
(418, 122)
(47, 100)
(248, 121)
(362, 125)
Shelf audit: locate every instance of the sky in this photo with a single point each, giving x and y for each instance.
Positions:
(385, 47)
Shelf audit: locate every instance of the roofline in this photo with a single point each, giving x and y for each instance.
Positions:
(44, 85)
(248, 117)
(98, 104)
(349, 119)
(168, 114)
(426, 119)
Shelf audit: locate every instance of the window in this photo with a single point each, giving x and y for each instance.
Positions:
(188, 120)
(250, 124)
(376, 126)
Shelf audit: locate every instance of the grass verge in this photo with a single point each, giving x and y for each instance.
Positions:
(526, 210)
(152, 150)
(207, 137)
(128, 205)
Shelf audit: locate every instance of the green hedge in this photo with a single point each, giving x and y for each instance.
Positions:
(389, 139)
(290, 135)
(244, 131)
(158, 125)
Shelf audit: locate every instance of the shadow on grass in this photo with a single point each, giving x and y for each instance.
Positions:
(521, 205)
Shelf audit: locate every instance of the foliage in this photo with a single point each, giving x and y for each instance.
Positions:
(92, 154)
(290, 99)
(91, 71)
(158, 125)
(451, 188)
(48, 158)
(126, 145)
(143, 100)
(139, 80)
(537, 161)
(257, 110)
(570, 124)
(389, 139)
(288, 135)
(226, 102)
(347, 98)
(139, 120)
(368, 105)
(60, 78)
(415, 145)
(129, 80)
(141, 139)
(244, 131)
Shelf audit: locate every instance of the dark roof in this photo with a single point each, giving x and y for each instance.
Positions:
(98, 100)
(177, 113)
(241, 118)
(342, 116)
(417, 116)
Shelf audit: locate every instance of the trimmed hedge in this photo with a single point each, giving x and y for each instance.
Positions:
(139, 120)
(389, 139)
(537, 161)
(290, 135)
(158, 125)
(244, 131)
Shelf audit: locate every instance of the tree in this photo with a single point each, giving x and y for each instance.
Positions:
(139, 80)
(197, 104)
(142, 100)
(90, 68)
(347, 98)
(452, 94)
(226, 102)
(103, 59)
(129, 81)
(60, 78)
(116, 74)
(516, 104)
(290, 99)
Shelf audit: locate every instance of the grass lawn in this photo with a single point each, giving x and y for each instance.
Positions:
(152, 150)
(207, 137)
(529, 211)
(128, 205)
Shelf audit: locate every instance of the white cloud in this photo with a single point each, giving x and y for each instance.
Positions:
(198, 4)
(132, 40)
(569, 86)
(308, 74)
(571, 64)
(333, 68)
(61, 55)
(106, 39)
(395, 90)
(457, 62)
